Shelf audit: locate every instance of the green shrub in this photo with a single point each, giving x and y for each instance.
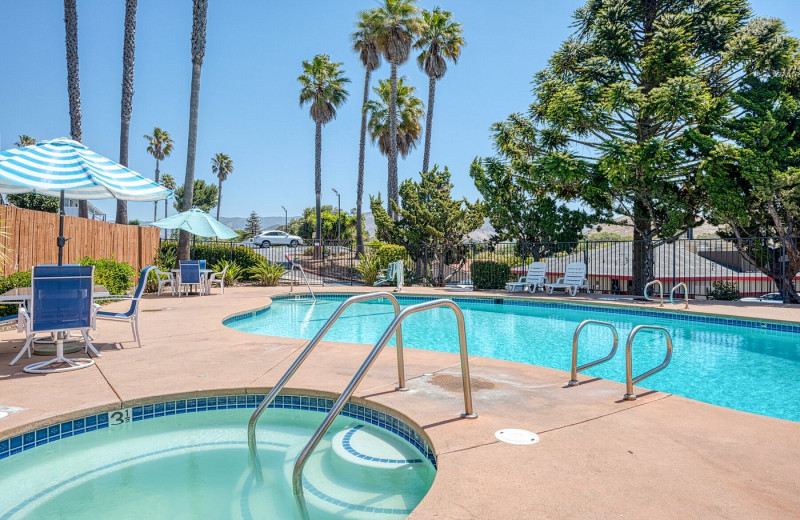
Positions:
(368, 267)
(232, 274)
(266, 273)
(243, 256)
(724, 290)
(12, 281)
(490, 275)
(388, 253)
(167, 256)
(116, 277)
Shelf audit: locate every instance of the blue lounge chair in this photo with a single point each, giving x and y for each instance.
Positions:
(132, 314)
(61, 301)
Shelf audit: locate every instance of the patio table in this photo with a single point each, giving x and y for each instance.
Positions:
(204, 274)
(44, 346)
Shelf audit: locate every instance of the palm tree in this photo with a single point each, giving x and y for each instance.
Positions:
(168, 182)
(439, 40)
(25, 140)
(159, 145)
(199, 18)
(73, 82)
(322, 85)
(221, 166)
(409, 114)
(128, 51)
(365, 44)
(398, 25)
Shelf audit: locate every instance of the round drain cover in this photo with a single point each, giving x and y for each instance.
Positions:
(515, 436)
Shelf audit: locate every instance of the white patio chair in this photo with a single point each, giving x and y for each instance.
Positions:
(574, 279)
(132, 314)
(537, 274)
(190, 275)
(217, 278)
(168, 278)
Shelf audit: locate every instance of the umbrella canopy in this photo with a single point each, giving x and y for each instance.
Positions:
(197, 222)
(65, 166)
(62, 166)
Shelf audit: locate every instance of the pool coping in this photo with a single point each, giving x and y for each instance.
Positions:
(62, 427)
(719, 462)
(662, 313)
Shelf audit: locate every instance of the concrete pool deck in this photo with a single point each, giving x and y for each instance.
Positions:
(662, 456)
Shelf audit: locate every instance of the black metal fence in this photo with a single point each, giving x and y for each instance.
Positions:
(702, 264)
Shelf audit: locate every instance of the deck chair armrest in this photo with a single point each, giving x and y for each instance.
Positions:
(23, 318)
(560, 280)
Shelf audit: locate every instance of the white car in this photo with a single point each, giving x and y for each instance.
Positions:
(273, 237)
(773, 297)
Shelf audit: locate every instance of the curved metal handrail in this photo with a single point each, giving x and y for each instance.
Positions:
(295, 265)
(401, 377)
(629, 380)
(575, 368)
(685, 294)
(660, 290)
(297, 475)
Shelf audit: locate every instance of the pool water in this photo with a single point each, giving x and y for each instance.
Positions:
(196, 465)
(747, 369)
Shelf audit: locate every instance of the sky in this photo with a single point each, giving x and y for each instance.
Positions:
(249, 93)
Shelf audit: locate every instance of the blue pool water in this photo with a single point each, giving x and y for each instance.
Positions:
(746, 368)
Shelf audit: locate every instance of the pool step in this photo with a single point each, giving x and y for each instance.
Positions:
(368, 466)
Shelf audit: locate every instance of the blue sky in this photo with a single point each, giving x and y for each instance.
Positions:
(249, 91)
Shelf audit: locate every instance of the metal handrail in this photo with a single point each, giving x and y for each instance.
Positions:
(303, 272)
(401, 377)
(575, 368)
(297, 478)
(660, 290)
(629, 380)
(685, 294)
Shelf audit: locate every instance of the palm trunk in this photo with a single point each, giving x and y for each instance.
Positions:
(200, 12)
(360, 186)
(391, 189)
(73, 82)
(318, 188)
(128, 52)
(155, 204)
(428, 123)
(219, 196)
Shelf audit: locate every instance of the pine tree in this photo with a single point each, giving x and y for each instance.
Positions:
(253, 226)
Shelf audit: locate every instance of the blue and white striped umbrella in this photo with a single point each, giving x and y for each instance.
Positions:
(62, 165)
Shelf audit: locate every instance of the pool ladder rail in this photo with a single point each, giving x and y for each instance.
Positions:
(394, 327)
(295, 265)
(671, 293)
(629, 379)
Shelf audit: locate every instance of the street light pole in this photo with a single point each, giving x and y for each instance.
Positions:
(338, 217)
(285, 219)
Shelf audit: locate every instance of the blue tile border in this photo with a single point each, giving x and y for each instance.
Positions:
(31, 439)
(598, 308)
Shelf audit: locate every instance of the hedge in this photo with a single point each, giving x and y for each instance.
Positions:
(490, 275)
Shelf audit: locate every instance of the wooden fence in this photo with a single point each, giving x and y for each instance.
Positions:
(29, 238)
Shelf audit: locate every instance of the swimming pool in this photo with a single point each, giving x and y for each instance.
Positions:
(740, 364)
(177, 464)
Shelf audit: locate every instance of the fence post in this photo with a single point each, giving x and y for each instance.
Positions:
(674, 260)
(782, 259)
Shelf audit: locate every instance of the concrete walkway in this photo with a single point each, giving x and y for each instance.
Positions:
(662, 456)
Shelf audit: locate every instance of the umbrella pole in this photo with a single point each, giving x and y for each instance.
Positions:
(60, 241)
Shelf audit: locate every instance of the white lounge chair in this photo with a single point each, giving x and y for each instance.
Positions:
(132, 314)
(574, 279)
(537, 274)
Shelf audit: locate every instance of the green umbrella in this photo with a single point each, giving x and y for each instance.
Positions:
(197, 222)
